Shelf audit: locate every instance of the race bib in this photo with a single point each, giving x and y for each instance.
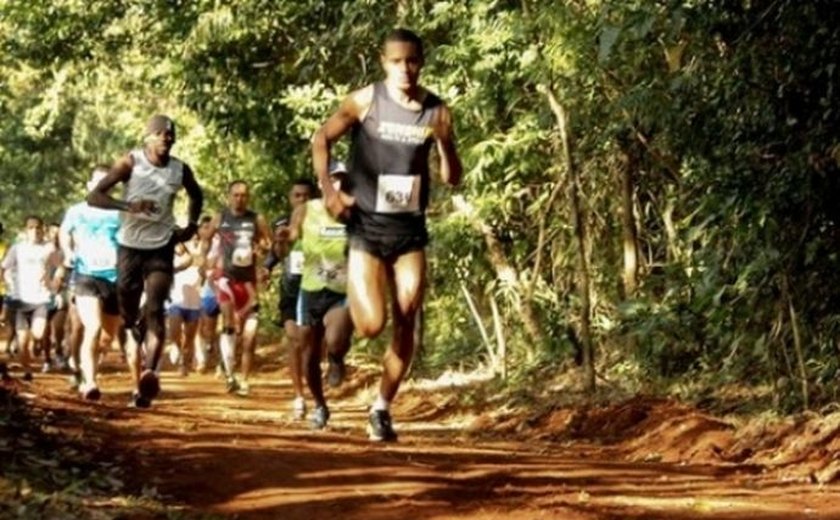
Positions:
(242, 257)
(296, 262)
(398, 193)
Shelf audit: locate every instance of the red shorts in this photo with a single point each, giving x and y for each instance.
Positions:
(233, 291)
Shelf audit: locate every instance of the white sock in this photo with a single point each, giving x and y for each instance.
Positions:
(227, 344)
(381, 404)
(200, 356)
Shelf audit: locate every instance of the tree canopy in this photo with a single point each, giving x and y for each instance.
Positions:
(699, 137)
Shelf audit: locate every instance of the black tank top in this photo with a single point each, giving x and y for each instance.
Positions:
(236, 234)
(389, 167)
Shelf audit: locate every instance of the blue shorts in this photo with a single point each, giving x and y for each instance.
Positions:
(188, 315)
(210, 306)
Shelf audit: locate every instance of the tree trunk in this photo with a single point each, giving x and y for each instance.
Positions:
(501, 343)
(581, 239)
(505, 273)
(629, 235)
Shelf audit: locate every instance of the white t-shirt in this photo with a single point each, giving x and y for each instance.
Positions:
(186, 289)
(30, 264)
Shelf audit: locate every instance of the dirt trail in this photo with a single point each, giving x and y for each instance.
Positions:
(214, 453)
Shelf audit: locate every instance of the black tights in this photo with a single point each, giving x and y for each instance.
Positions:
(149, 323)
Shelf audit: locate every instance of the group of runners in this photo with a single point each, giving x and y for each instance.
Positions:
(129, 267)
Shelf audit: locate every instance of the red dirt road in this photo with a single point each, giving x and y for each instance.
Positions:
(212, 453)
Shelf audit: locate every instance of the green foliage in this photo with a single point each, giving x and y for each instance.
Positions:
(724, 112)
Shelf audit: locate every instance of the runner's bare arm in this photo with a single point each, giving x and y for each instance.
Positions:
(65, 239)
(263, 243)
(213, 227)
(119, 172)
(195, 194)
(352, 110)
(296, 223)
(450, 163)
(263, 237)
(183, 259)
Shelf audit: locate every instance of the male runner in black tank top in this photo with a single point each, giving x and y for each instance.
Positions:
(394, 125)
(242, 234)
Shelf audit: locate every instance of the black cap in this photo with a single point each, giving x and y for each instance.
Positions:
(160, 123)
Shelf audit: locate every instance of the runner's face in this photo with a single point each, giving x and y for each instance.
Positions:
(204, 231)
(402, 63)
(336, 180)
(162, 142)
(34, 231)
(299, 195)
(238, 197)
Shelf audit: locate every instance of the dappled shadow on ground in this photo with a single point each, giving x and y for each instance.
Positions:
(209, 451)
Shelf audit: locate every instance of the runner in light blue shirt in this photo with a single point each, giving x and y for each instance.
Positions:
(88, 237)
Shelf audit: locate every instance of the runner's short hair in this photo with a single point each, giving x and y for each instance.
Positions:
(406, 36)
(304, 181)
(235, 183)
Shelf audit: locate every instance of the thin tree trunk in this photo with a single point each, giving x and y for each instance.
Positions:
(505, 273)
(501, 343)
(581, 238)
(629, 236)
(485, 338)
(797, 342)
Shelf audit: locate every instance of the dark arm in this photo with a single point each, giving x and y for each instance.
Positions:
(120, 172)
(450, 163)
(195, 194)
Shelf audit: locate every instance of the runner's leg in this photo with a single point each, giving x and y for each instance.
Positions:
(311, 338)
(175, 328)
(366, 286)
(409, 277)
(249, 340)
(296, 367)
(338, 330)
(158, 284)
(23, 338)
(90, 315)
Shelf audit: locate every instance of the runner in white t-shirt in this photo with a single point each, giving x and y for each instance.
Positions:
(31, 261)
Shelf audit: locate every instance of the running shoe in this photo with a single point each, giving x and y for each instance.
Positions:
(61, 364)
(320, 416)
(46, 368)
(380, 428)
(244, 389)
(90, 392)
(27, 376)
(298, 408)
(336, 371)
(231, 385)
(138, 401)
(149, 385)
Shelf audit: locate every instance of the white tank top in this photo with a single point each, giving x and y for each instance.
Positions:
(150, 182)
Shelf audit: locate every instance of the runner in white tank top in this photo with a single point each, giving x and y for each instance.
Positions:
(147, 239)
